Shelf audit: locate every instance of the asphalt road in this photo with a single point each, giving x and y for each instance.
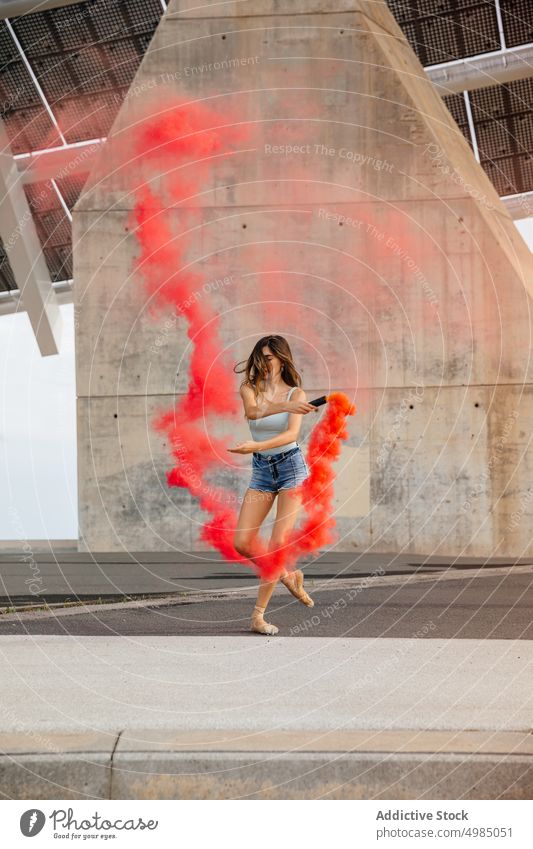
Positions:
(59, 576)
(493, 604)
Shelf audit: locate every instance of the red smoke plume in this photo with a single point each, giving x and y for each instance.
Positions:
(187, 141)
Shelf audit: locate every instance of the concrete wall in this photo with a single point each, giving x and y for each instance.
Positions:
(412, 283)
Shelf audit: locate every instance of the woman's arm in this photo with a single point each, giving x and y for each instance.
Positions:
(254, 410)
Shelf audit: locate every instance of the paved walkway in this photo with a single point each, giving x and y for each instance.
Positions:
(205, 683)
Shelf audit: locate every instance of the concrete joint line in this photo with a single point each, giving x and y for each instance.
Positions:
(112, 763)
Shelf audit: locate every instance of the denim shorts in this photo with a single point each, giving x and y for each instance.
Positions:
(285, 470)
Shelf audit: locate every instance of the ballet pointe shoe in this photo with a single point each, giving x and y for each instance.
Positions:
(258, 624)
(294, 581)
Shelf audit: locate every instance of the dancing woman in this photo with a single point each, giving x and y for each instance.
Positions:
(274, 404)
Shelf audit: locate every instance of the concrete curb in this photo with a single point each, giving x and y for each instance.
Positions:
(268, 765)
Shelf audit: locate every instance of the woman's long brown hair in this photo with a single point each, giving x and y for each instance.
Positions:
(256, 366)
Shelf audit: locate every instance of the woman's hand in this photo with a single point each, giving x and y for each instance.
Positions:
(245, 447)
(300, 407)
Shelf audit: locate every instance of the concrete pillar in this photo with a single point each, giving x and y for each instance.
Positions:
(402, 280)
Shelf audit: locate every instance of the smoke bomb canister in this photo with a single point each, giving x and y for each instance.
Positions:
(319, 401)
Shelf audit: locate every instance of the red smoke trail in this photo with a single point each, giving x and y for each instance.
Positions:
(181, 137)
(185, 135)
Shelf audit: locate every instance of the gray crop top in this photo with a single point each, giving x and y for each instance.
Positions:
(270, 426)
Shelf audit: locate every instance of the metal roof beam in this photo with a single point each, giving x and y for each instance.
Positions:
(482, 71)
(58, 162)
(519, 206)
(10, 302)
(26, 258)
(15, 8)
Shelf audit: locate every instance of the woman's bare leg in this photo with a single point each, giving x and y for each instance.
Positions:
(288, 507)
(254, 509)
